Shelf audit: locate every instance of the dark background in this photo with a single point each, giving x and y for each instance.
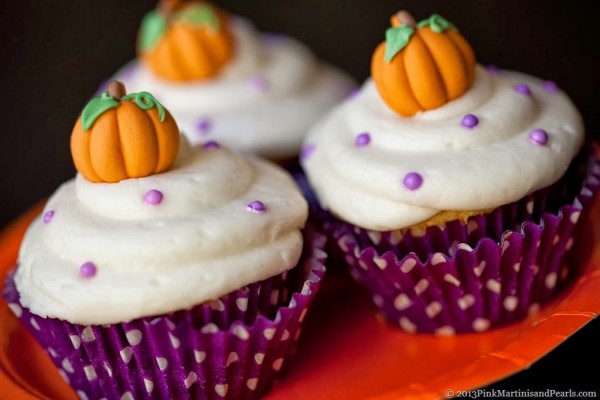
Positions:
(53, 55)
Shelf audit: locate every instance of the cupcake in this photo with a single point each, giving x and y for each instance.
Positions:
(453, 192)
(222, 80)
(165, 271)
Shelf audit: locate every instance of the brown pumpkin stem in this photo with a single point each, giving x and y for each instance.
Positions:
(168, 7)
(403, 17)
(116, 90)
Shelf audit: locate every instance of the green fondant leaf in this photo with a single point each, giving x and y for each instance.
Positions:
(437, 23)
(396, 39)
(146, 101)
(95, 108)
(199, 15)
(153, 28)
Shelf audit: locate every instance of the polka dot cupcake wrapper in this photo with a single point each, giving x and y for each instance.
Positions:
(470, 288)
(181, 355)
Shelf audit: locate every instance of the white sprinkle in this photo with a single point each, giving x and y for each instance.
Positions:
(421, 286)
(241, 332)
(452, 280)
(66, 364)
(445, 330)
(466, 301)
(90, 372)
(374, 236)
(465, 247)
(252, 383)
(221, 390)
(190, 380)
(127, 396)
(479, 268)
(199, 356)
(493, 286)
(34, 324)
(402, 302)
(556, 239)
(395, 237)
(242, 303)
(233, 357)
(302, 315)
(569, 244)
(170, 324)
(505, 244)
(342, 244)
(277, 364)
(510, 303)
(517, 267)
(407, 325)
(82, 396)
(16, 309)
(274, 297)
(408, 265)
(162, 363)
(269, 333)
(175, 342)
(217, 305)
(134, 337)
(575, 217)
(126, 354)
(76, 341)
(149, 385)
(533, 308)
(551, 280)
(472, 226)
(108, 370)
(433, 309)
(52, 352)
(259, 358)
(529, 206)
(87, 335)
(438, 258)
(380, 262)
(63, 374)
(362, 264)
(481, 324)
(209, 328)
(286, 335)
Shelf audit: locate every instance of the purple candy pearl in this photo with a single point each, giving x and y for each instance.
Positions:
(256, 206)
(538, 136)
(48, 216)
(413, 180)
(307, 151)
(87, 270)
(211, 144)
(362, 139)
(523, 89)
(550, 86)
(204, 126)
(153, 197)
(493, 70)
(469, 121)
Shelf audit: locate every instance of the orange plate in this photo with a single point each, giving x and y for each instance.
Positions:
(345, 352)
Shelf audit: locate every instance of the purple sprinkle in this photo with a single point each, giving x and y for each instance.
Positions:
(87, 270)
(538, 136)
(362, 139)
(153, 197)
(48, 216)
(204, 126)
(259, 83)
(550, 87)
(256, 206)
(413, 180)
(470, 121)
(211, 144)
(493, 70)
(307, 151)
(523, 89)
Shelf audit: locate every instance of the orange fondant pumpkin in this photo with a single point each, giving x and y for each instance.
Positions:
(185, 41)
(421, 67)
(119, 137)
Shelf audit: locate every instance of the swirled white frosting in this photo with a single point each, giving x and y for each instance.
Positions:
(463, 169)
(262, 103)
(198, 244)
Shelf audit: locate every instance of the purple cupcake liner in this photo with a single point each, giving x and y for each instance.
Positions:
(478, 274)
(231, 348)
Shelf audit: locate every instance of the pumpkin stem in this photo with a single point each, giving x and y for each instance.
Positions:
(116, 90)
(168, 7)
(403, 17)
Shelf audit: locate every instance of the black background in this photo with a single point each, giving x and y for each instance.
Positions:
(53, 55)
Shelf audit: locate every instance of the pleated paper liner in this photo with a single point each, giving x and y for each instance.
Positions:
(475, 275)
(231, 348)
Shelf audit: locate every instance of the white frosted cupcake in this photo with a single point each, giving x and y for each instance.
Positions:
(165, 271)
(456, 192)
(223, 80)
